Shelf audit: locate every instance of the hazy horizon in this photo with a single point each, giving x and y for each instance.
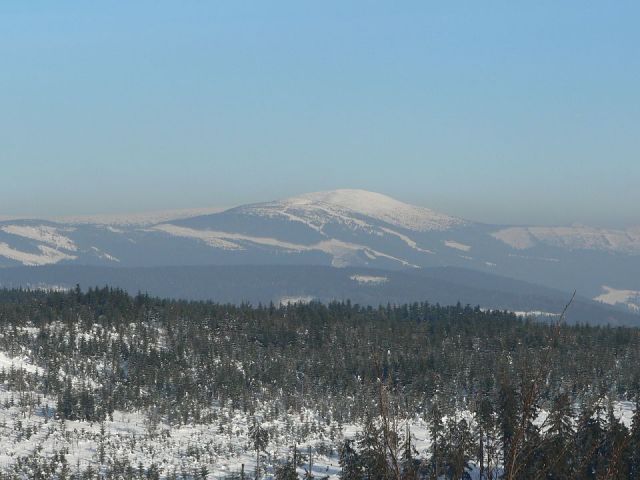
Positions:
(508, 115)
(115, 216)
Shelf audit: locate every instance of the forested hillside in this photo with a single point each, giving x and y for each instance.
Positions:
(410, 391)
(283, 283)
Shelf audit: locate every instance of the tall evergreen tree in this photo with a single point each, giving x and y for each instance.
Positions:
(372, 451)
(410, 464)
(559, 462)
(436, 429)
(260, 439)
(350, 464)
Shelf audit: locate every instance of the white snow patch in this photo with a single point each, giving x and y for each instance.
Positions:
(406, 240)
(105, 255)
(341, 251)
(536, 313)
(47, 255)
(295, 299)
(516, 237)
(47, 287)
(457, 245)
(369, 279)
(43, 233)
(211, 238)
(314, 216)
(627, 298)
(17, 363)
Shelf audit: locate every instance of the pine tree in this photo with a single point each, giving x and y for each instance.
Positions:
(590, 441)
(260, 439)
(409, 454)
(101, 444)
(66, 402)
(457, 449)
(286, 471)
(372, 451)
(204, 472)
(485, 423)
(350, 465)
(308, 474)
(508, 414)
(436, 429)
(615, 449)
(558, 453)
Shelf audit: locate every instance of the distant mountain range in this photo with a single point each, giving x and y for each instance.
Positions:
(341, 228)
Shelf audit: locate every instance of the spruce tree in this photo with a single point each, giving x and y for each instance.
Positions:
(372, 451)
(350, 465)
(559, 462)
(260, 439)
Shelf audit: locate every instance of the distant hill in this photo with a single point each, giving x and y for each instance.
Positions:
(282, 284)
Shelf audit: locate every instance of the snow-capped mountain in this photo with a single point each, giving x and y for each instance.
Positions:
(339, 228)
(353, 207)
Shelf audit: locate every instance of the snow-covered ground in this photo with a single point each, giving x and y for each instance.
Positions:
(369, 279)
(457, 245)
(613, 296)
(28, 426)
(536, 314)
(47, 255)
(339, 250)
(19, 362)
(295, 299)
(52, 236)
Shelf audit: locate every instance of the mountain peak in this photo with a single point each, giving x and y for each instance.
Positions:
(351, 198)
(375, 205)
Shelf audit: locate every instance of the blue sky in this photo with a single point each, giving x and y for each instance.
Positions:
(496, 111)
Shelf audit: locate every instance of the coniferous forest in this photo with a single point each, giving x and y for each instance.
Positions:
(416, 391)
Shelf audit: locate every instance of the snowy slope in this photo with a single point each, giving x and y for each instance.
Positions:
(319, 208)
(572, 238)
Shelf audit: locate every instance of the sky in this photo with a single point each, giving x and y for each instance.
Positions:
(503, 112)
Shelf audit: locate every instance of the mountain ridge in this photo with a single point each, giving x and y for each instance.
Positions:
(339, 228)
